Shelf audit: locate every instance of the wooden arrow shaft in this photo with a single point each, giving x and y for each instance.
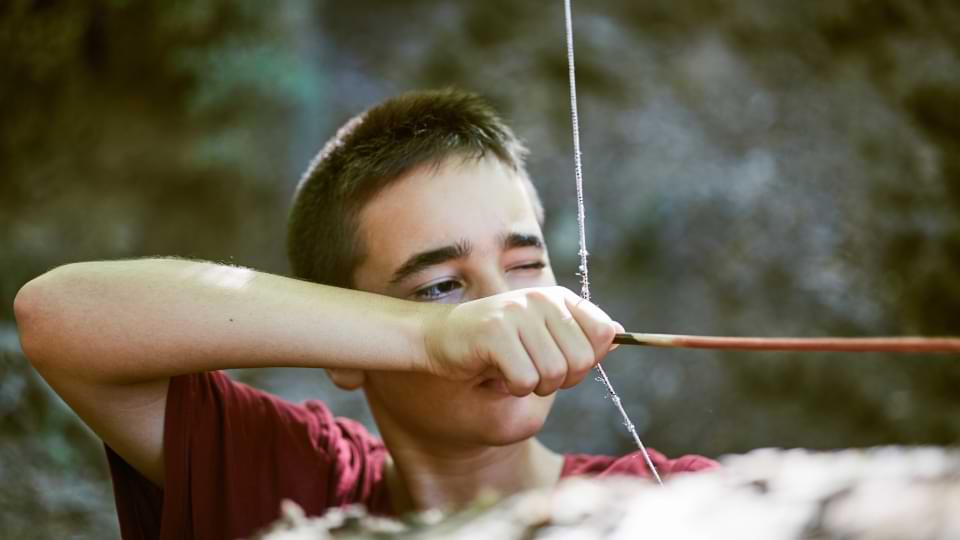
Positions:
(909, 344)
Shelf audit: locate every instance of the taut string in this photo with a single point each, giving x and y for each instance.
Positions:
(581, 225)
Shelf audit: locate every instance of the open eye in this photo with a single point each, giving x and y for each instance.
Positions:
(437, 291)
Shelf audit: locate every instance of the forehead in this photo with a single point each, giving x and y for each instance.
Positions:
(429, 207)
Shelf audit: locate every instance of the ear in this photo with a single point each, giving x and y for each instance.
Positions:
(347, 379)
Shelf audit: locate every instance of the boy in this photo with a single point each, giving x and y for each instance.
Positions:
(424, 281)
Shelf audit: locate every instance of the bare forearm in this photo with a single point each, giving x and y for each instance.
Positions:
(129, 321)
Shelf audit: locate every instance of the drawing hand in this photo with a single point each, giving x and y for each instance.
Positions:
(538, 340)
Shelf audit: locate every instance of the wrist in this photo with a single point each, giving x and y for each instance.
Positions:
(428, 321)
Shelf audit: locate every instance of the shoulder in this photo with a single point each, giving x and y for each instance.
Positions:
(215, 399)
(226, 433)
(225, 440)
(633, 464)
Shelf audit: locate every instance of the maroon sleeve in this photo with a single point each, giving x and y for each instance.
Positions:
(633, 464)
(233, 453)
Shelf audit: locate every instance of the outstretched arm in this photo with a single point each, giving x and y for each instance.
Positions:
(107, 336)
(124, 322)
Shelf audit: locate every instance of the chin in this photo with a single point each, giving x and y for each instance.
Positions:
(509, 437)
(516, 419)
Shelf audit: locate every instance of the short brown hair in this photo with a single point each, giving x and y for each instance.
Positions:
(371, 151)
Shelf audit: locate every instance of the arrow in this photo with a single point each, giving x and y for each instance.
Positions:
(906, 344)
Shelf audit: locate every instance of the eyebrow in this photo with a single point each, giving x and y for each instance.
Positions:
(519, 240)
(425, 259)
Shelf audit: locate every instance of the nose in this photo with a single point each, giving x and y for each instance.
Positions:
(491, 282)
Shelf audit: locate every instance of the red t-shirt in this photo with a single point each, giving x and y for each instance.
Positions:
(232, 453)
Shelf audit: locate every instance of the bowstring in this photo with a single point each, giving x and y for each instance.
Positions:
(581, 225)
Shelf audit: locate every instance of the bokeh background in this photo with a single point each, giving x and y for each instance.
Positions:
(752, 168)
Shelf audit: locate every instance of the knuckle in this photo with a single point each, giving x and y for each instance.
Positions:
(548, 386)
(553, 375)
(514, 306)
(524, 385)
(538, 295)
(584, 360)
(574, 379)
(606, 332)
(578, 372)
(544, 391)
(598, 335)
(493, 325)
(563, 291)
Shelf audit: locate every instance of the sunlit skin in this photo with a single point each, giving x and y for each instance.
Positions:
(444, 433)
(459, 349)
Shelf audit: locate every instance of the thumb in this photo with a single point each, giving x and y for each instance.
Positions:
(620, 330)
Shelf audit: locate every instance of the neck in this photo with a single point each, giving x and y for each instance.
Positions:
(422, 477)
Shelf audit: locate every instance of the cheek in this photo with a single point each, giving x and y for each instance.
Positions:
(415, 400)
(435, 408)
(514, 419)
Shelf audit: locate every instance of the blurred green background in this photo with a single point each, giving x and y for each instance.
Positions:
(752, 168)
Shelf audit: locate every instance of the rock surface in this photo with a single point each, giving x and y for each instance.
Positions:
(887, 493)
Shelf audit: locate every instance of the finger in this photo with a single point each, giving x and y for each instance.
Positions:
(573, 342)
(518, 369)
(620, 330)
(546, 355)
(595, 323)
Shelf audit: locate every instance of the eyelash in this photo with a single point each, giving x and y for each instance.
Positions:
(421, 294)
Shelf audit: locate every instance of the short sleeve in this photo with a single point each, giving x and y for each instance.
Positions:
(232, 453)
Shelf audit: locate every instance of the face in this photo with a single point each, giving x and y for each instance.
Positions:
(462, 231)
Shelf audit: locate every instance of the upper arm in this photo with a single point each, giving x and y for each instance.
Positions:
(128, 418)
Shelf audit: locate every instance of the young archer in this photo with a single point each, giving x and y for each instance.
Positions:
(424, 280)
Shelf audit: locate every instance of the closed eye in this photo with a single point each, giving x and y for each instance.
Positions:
(539, 265)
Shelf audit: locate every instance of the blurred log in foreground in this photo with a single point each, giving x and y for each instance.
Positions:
(888, 493)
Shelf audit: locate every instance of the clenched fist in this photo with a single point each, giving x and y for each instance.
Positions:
(536, 340)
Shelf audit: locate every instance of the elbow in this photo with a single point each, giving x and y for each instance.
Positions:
(27, 307)
(33, 311)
